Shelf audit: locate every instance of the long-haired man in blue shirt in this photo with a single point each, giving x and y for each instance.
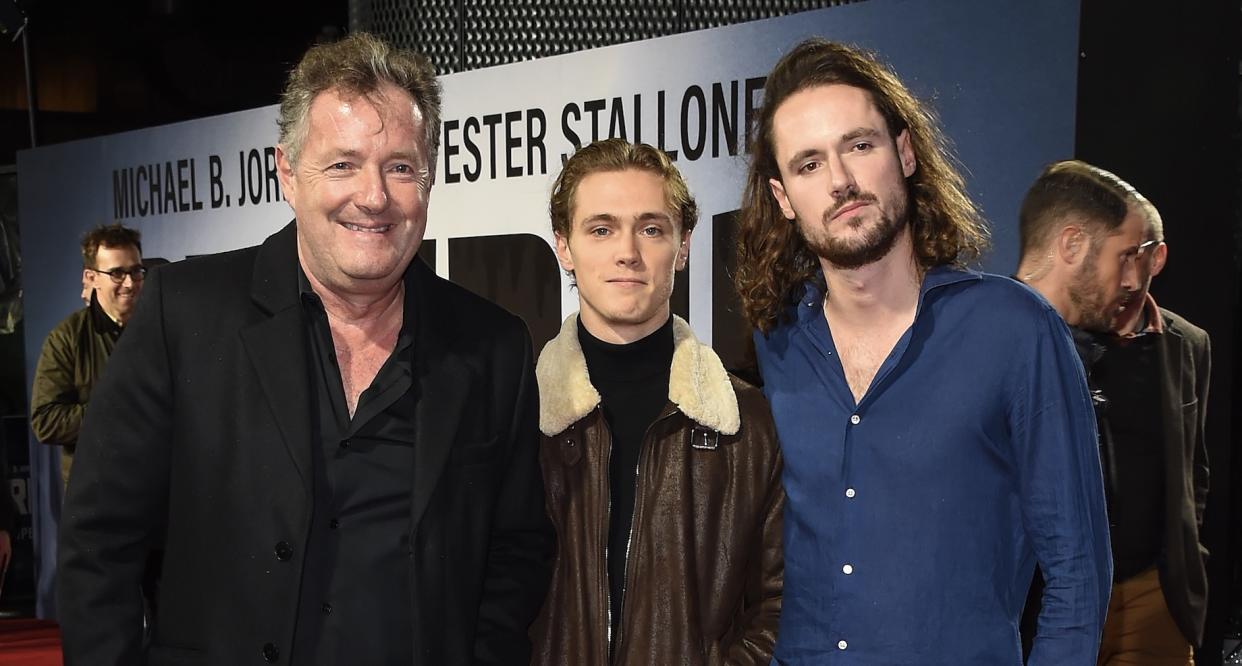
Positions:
(937, 430)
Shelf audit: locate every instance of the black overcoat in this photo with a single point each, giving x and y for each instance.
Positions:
(198, 439)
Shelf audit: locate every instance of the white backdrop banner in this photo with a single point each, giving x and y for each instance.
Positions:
(1001, 74)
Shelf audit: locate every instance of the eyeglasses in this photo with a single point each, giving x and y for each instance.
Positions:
(137, 273)
(1139, 252)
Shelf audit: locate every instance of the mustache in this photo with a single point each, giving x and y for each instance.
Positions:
(853, 197)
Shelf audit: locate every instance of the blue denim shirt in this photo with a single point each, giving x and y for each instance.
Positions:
(915, 517)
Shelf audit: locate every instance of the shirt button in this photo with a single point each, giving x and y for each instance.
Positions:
(841, 645)
(284, 551)
(855, 419)
(327, 609)
(849, 492)
(270, 653)
(344, 443)
(847, 569)
(333, 524)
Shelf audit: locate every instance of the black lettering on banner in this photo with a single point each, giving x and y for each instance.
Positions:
(569, 133)
(170, 191)
(491, 120)
(145, 204)
(120, 193)
(183, 184)
(534, 140)
(724, 117)
(155, 190)
(241, 170)
(616, 120)
(472, 127)
(593, 107)
(638, 118)
(512, 142)
(215, 168)
(672, 154)
(694, 149)
(450, 149)
(752, 86)
(271, 185)
(254, 175)
(195, 202)
(133, 191)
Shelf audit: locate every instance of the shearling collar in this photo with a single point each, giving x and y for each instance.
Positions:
(698, 383)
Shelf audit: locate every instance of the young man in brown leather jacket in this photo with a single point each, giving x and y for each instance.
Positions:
(662, 470)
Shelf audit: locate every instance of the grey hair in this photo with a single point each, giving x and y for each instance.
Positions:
(360, 64)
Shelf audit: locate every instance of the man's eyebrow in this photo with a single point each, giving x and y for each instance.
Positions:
(404, 155)
(860, 132)
(641, 217)
(599, 217)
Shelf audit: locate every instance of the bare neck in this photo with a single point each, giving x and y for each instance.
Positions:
(359, 309)
(1052, 287)
(875, 293)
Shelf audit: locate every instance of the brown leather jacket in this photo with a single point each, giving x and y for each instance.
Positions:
(705, 565)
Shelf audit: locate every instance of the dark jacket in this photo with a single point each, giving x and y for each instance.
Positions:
(72, 360)
(705, 568)
(1186, 362)
(203, 428)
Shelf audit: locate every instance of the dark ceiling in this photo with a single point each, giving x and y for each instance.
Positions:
(103, 67)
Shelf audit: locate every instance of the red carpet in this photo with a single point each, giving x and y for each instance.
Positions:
(29, 643)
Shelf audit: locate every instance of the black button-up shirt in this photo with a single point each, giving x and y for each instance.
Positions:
(355, 598)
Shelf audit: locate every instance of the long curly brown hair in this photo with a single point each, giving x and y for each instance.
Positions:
(773, 261)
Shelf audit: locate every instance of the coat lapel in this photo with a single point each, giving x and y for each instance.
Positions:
(277, 345)
(442, 379)
(1170, 356)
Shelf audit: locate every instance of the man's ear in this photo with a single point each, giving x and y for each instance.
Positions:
(1072, 245)
(564, 256)
(1160, 256)
(683, 252)
(905, 150)
(284, 174)
(782, 200)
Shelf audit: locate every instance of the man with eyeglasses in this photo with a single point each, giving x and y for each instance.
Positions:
(77, 349)
(1091, 245)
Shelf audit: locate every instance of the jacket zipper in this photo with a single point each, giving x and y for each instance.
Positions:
(604, 527)
(629, 540)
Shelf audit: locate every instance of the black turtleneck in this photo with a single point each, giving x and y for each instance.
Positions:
(632, 380)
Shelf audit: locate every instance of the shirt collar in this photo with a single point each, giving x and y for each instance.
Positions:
(405, 337)
(103, 321)
(811, 303)
(1155, 323)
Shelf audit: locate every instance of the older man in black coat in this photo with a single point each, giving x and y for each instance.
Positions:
(335, 447)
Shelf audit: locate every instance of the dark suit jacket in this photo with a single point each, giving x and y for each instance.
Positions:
(1186, 359)
(200, 430)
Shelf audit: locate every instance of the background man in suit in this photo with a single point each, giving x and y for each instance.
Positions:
(1091, 245)
(337, 448)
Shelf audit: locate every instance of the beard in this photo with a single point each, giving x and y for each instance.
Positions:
(874, 243)
(1095, 312)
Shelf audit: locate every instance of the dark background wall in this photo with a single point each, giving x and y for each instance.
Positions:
(1158, 104)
